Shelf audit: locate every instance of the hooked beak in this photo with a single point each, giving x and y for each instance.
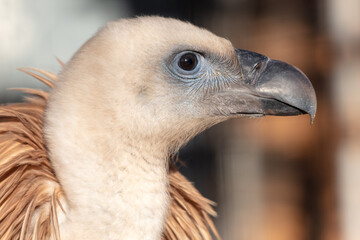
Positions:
(272, 88)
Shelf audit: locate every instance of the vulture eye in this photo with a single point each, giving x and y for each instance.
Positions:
(187, 65)
(188, 61)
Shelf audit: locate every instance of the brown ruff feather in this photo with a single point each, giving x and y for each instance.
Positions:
(30, 193)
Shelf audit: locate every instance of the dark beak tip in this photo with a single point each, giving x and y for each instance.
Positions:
(310, 106)
(312, 114)
(312, 117)
(310, 95)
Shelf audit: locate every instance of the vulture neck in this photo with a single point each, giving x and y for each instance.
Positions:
(111, 161)
(116, 189)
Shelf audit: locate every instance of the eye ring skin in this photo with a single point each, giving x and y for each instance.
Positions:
(179, 73)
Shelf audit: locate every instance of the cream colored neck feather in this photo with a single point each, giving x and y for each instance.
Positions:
(115, 183)
(123, 197)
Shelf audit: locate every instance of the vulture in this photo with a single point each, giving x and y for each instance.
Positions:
(94, 157)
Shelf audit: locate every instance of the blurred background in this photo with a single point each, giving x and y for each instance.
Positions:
(274, 178)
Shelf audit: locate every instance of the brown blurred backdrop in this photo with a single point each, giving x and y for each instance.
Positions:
(275, 178)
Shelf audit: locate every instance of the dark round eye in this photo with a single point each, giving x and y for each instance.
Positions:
(188, 61)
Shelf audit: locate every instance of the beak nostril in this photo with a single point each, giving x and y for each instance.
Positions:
(257, 67)
(255, 72)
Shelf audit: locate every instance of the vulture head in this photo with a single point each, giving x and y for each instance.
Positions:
(133, 94)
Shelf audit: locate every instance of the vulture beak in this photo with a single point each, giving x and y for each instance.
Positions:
(282, 89)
